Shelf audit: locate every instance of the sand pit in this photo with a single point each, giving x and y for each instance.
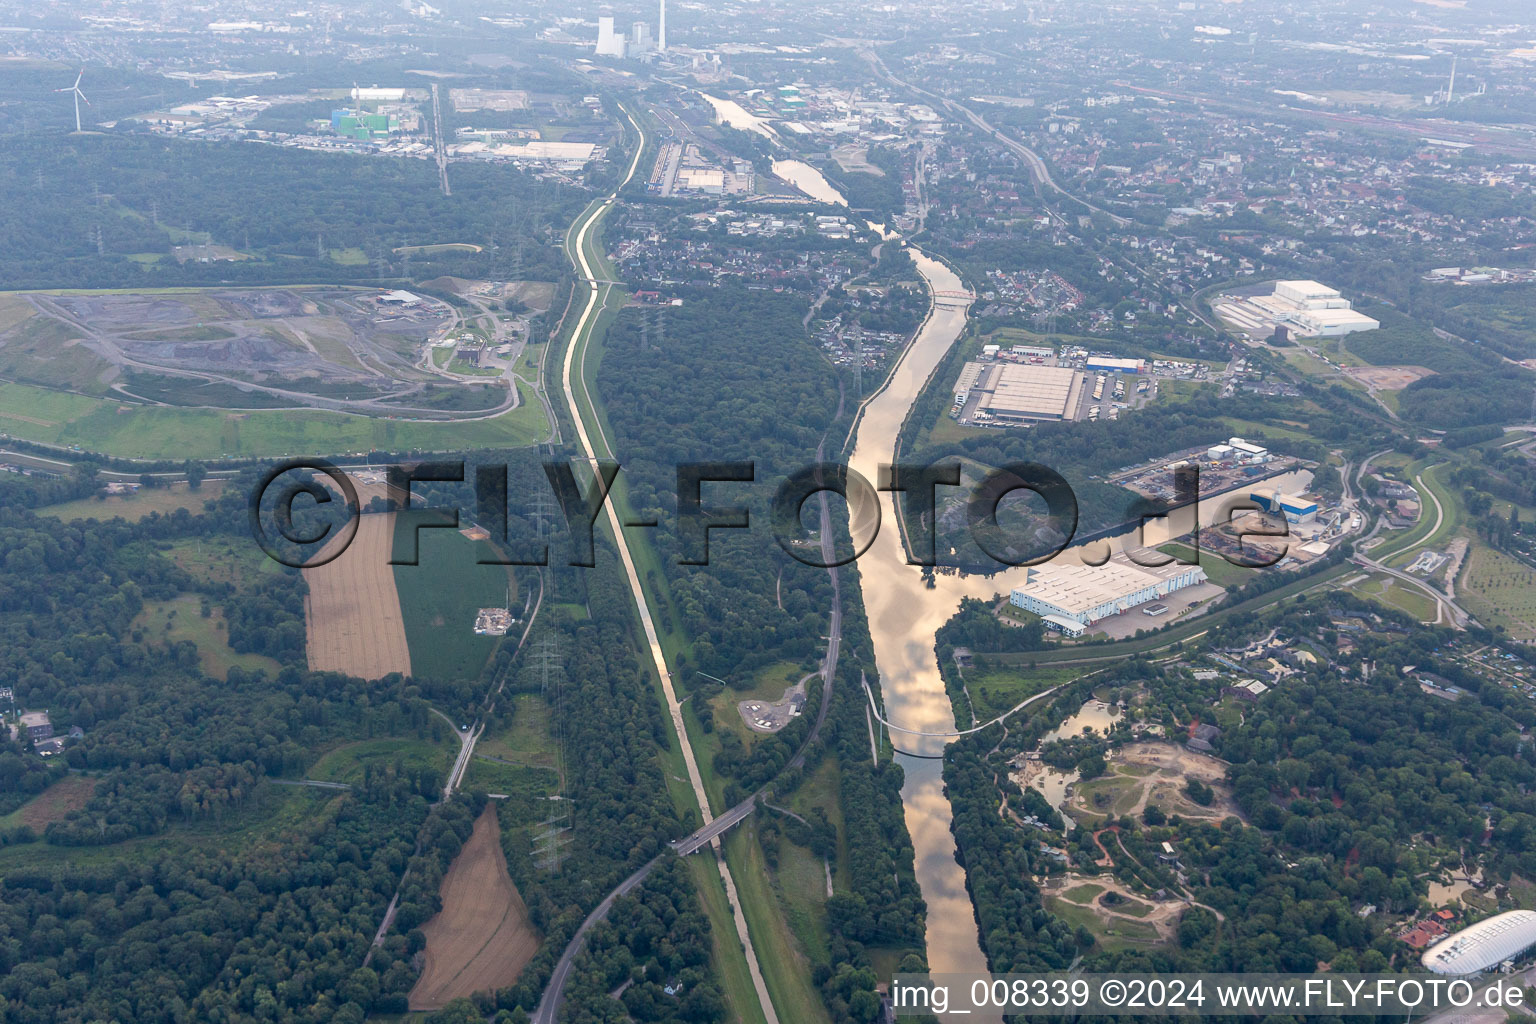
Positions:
(482, 939)
(1153, 773)
(1387, 378)
(352, 614)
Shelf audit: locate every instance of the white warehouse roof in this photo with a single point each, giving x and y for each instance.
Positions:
(1483, 945)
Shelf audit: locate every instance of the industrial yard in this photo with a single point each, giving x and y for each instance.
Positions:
(1026, 384)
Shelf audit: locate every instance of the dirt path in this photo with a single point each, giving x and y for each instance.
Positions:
(482, 938)
(352, 614)
(1163, 915)
(1171, 766)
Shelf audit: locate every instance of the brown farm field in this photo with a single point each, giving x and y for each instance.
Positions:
(352, 614)
(482, 938)
(52, 804)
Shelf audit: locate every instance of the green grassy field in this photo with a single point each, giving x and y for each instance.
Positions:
(52, 804)
(155, 432)
(134, 507)
(468, 369)
(1082, 894)
(1119, 935)
(14, 309)
(1500, 590)
(820, 790)
(1110, 796)
(995, 688)
(181, 619)
(436, 248)
(234, 560)
(272, 812)
(1425, 532)
(1396, 594)
(439, 598)
(1311, 365)
(730, 964)
(47, 352)
(527, 739)
(1254, 428)
(799, 881)
(1220, 571)
(510, 779)
(785, 966)
(347, 762)
(768, 684)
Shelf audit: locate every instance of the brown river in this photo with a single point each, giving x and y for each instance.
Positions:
(904, 616)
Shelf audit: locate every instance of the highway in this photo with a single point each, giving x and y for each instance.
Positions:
(554, 992)
(467, 738)
(1446, 608)
(548, 1010)
(578, 246)
(1037, 167)
(440, 152)
(1517, 142)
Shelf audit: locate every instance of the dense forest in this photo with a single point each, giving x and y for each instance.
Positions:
(80, 207)
(188, 929)
(730, 376)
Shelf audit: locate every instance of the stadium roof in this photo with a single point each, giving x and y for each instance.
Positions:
(1483, 945)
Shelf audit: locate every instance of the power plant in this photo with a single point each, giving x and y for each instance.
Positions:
(638, 42)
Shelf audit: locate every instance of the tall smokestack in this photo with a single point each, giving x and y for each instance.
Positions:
(661, 29)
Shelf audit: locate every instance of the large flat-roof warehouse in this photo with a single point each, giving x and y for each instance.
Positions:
(1308, 308)
(1019, 392)
(1073, 597)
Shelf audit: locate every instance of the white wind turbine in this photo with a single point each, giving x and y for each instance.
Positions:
(78, 97)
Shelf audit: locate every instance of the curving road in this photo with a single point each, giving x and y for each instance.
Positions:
(548, 1010)
(579, 248)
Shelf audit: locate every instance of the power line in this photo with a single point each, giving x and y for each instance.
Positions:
(556, 831)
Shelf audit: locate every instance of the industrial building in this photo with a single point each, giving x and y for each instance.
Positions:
(374, 94)
(1294, 508)
(611, 43)
(36, 725)
(1019, 393)
(1110, 364)
(1237, 450)
(1306, 308)
(1314, 310)
(363, 126)
(1490, 943)
(1071, 598)
(562, 155)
